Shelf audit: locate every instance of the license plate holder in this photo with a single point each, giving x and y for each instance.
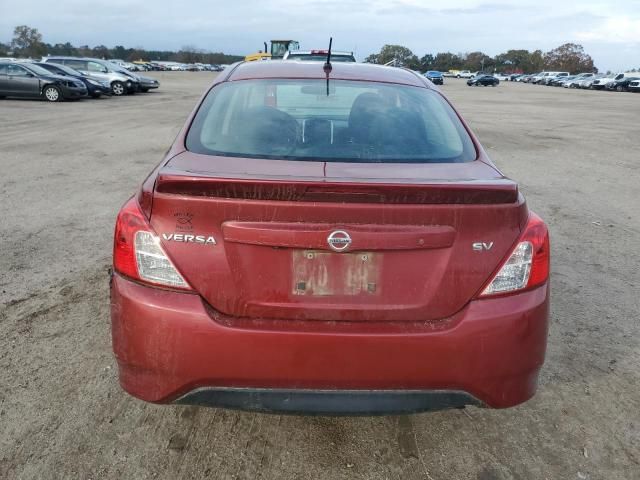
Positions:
(320, 273)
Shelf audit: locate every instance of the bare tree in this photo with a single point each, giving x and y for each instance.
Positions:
(27, 41)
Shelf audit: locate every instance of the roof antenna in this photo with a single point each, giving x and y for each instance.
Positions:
(327, 66)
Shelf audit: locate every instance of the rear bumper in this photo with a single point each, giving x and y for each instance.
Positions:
(171, 347)
(328, 402)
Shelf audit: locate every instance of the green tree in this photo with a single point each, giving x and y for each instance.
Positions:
(119, 52)
(27, 42)
(100, 51)
(447, 61)
(537, 61)
(515, 60)
(373, 58)
(476, 61)
(401, 56)
(61, 49)
(427, 62)
(4, 49)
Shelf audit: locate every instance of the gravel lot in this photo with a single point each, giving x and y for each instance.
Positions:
(67, 168)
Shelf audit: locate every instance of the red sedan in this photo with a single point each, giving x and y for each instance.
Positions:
(329, 241)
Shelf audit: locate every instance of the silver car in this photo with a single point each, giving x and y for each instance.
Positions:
(120, 83)
(144, 84)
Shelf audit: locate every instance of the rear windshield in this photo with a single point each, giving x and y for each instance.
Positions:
(355, 122)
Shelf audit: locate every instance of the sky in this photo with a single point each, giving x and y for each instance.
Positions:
(609, 30)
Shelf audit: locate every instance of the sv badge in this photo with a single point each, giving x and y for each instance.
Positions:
(482, 246)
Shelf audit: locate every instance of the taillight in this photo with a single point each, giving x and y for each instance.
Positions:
(527, 266)
(137, 252)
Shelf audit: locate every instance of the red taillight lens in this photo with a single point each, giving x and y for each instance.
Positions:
(527, 266)
(137, 252)
(130, 220)
(537, 233)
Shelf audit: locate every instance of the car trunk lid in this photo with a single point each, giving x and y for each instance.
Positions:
(335, 242)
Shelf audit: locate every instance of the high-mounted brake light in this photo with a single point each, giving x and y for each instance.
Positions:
(527, 266)
(137, 252)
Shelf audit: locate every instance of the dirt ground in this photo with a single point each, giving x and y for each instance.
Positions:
(67, 168)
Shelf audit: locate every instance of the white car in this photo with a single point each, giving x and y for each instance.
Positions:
(502, 77)
(601, 83)
(634, 86)
(538, 77)
(550, 76)
(575, 82)
(464, 74)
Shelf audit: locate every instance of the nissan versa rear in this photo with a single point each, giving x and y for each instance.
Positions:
(329, 241)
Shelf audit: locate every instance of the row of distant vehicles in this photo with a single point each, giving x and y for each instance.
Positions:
(620, 82)
(167, 66)
(58, 78)
(478, 79)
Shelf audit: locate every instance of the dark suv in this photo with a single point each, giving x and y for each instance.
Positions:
(29, 80)
(435, 77)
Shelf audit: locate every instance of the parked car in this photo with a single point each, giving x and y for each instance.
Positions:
(559, 80)
(464, 74)
(577, 79)
(587, 83)
(319, 55)
(551, 76)
(435, 76)
(483, 80)
(142, 83)
(282, 266)
(95, 87)
(502, 77)
(634, 86)
(538, 77)
(22, 79)
(132, 67)
(602, 82)
(532, 77)
(121, 83)
(516, 77)
(621, 85)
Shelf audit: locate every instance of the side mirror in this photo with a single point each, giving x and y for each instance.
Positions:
(30, 75)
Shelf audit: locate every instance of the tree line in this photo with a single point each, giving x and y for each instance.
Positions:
(569, 57)
(27, 42)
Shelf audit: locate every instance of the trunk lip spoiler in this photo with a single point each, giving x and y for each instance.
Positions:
(352, 190)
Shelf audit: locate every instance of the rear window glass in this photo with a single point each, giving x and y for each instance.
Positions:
(321, 57)
(355, 122)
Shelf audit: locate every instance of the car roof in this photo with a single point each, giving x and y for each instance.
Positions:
(63, 57)
(314, 70)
